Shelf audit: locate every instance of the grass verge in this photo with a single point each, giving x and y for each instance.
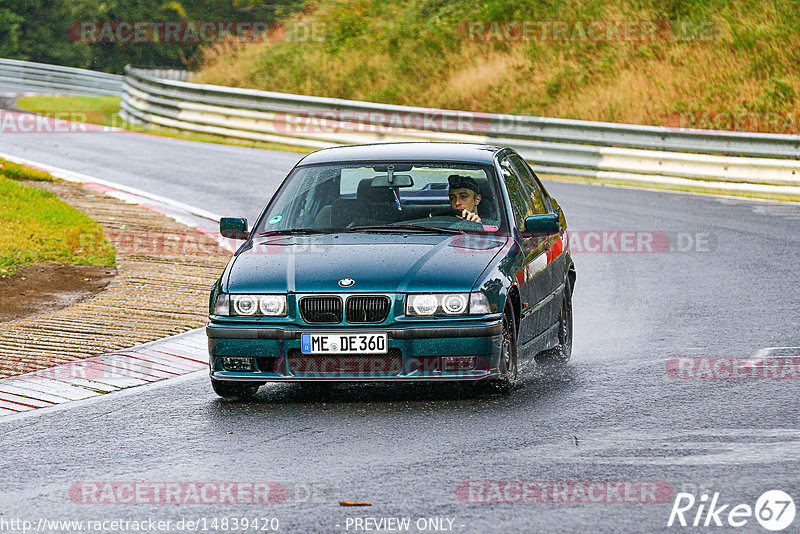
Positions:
(35, 226)
(90, 109)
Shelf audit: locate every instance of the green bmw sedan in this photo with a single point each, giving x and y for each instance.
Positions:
(395, 262)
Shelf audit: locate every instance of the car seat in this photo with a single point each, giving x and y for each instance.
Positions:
(375, 205)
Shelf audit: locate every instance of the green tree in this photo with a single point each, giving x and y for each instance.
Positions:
(45, 30)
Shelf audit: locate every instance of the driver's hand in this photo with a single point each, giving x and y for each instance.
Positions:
(468, 215)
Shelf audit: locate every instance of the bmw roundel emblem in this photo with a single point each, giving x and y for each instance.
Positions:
(346, 282)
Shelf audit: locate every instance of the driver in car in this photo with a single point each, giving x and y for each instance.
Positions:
(465, 196)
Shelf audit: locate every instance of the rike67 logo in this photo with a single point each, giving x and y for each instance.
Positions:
(774, 511)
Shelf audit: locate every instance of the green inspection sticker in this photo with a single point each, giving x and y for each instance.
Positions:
(276, 219)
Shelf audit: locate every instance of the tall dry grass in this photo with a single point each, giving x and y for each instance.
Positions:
(414, 52)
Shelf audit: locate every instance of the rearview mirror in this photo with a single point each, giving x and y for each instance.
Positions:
(398, 180)
(542, 224)
(233, 227)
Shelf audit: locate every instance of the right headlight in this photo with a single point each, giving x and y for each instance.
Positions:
(250, 305)
(446, 304)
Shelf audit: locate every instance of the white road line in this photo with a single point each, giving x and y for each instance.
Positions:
(183, 213)
(714, 446)
(81, 178)
(768, 352)
(720, 197)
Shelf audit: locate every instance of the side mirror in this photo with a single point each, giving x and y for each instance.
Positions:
(233, 227)
(542, 224)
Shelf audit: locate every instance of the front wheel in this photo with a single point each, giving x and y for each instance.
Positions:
(508, 371)
(235, 390)
(561, 353)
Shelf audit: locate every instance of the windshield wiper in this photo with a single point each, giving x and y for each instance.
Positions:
(295, 231)
(406, 227)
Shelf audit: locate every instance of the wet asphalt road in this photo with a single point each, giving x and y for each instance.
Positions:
(612, 414)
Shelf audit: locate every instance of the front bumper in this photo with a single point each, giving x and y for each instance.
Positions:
(466, 351)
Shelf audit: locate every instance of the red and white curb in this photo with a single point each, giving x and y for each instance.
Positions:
(106, 373)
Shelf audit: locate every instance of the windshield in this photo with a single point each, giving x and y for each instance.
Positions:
(379, 196)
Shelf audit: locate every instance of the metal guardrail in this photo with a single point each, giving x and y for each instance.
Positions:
(752, 164)
(59, 79)
(181, 75)
(491, 125)
(732, 162)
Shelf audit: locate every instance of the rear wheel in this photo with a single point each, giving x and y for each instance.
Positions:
(235, 390)
(561, 352)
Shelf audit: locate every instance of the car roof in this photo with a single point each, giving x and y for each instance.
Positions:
(423, 151)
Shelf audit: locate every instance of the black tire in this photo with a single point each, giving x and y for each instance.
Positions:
(561, 353)
(509, 370)
(235, 390)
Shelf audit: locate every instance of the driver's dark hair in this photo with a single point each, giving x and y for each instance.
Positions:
(456, 181)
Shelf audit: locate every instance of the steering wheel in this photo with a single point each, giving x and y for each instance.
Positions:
(444, 216)
(445, 212)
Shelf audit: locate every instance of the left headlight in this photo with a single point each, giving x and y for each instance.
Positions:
(250, 305)
(446, 304)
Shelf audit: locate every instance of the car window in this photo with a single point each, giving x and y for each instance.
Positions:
(528, 179)
(331, 197)
(425, 179)
(520, 203)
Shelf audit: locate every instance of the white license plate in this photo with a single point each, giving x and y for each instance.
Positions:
(372, 343)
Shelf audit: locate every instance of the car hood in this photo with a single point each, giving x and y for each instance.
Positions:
(375, 262)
